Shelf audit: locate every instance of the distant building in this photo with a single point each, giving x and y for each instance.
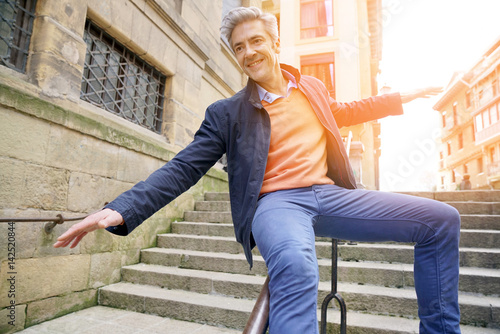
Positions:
(470, 110)
(340, 43)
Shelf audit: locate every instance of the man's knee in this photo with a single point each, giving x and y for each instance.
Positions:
(298, 265)
(444, 223)
(448, 216)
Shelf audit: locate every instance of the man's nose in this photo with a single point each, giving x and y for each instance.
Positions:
(249, 51)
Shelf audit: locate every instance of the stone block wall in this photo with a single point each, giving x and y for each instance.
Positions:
(60, 155)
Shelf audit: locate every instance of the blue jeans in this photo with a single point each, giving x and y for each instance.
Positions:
(287, 221)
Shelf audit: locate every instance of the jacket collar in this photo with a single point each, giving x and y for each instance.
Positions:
(253, 92)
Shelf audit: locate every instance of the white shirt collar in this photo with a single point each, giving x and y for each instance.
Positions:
(264, 95)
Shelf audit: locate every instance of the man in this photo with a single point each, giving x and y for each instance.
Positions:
(466, 184)
(290, 179)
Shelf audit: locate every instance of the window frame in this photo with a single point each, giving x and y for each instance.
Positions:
(119, 81)
(17, 42)
(334, 36)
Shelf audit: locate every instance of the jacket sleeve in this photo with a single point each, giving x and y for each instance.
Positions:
(174, 178)
(372, 108)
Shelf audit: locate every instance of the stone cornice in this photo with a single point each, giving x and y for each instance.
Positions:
(452, 164)
(217, 78)
(162, 10)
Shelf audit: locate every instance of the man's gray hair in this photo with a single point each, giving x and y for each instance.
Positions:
(242, 14)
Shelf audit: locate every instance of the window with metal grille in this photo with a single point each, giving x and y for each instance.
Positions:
(16, 25)
(117, 80)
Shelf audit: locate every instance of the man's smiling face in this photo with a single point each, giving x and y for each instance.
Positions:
(255, 51)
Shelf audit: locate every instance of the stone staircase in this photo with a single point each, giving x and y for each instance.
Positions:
(199, 273)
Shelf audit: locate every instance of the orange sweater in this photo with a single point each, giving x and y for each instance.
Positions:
(297, 152)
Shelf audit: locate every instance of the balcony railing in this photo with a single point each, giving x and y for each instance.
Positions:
(488, 133)
(485, 96)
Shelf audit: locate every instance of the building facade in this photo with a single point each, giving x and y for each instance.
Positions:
(470, 113)
(340, 43)
(94, 96)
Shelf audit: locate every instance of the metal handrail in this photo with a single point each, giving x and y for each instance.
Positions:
(259, 318)
(334, 295)
(49, 227)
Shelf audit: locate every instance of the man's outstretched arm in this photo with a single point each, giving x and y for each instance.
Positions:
(134, 206)
(95, 221)
(420, 93)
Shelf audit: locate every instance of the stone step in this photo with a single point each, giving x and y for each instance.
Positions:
(478, 208)
(487, 208)
(101, 319)
(233, 313)
(201, 281)
(469, 220)
(208, 217)
(470, 257)
(365, 298)
(360, 323)
(218, 262)
(480, 258)
(480, 222)
(178, 304)
(460, 196)
(443, 196)
(211, 196)
(480, 238)
(476, 280)
(472, 222)
(200, 243)
(200, 228)
(220, 206)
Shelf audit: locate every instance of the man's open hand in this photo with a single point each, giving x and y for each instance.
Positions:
(420, 93)
(98, 220)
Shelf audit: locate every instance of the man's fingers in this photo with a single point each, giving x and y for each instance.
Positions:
(420, 93)
(58, 244)
(78, 239)
(63, 243)
(75, 230)
(431, 91)
(98, 220)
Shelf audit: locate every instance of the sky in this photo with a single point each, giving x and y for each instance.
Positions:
(424, 43)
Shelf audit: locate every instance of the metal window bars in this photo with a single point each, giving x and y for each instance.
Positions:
(118, 81)
(16, 25)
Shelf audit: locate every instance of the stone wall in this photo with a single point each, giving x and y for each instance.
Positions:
(59, 154)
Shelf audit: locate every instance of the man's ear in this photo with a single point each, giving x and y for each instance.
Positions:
(277, 46)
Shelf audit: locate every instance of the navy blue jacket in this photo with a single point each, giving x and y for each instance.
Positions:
(240, 127)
